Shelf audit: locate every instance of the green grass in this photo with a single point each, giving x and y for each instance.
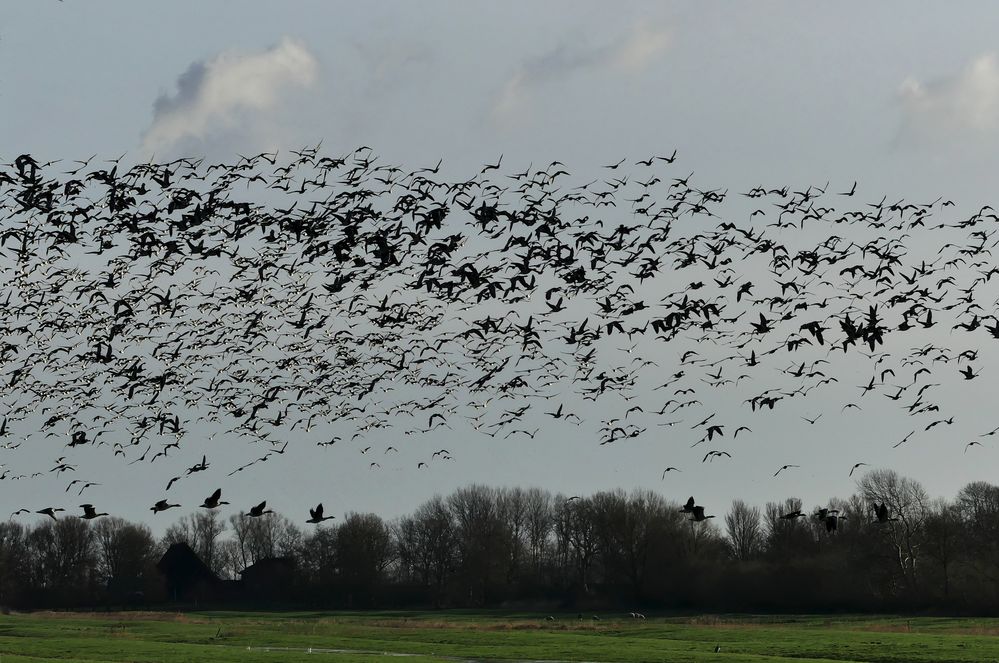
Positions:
(460, 635)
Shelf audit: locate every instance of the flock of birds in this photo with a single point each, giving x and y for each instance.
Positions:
(825, 515)
(335, 301)
(213, 501)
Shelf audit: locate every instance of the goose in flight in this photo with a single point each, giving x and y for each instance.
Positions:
(259, 510)
(715, 454)
(162, 505)
(213, 501)
(698, 514)
(89, 512)
(316, 515)
(832, 521)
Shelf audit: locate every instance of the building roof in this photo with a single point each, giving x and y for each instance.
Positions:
(181, 560)
(270, 565)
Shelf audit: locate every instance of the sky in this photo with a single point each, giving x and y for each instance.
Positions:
(903, 101)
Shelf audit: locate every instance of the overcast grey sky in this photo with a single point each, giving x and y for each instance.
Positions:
(902, 97)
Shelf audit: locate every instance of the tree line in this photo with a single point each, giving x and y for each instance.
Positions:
(514, 547)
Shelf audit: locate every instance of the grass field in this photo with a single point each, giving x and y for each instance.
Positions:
(465, 636)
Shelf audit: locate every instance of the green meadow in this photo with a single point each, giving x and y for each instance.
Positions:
(468, 636)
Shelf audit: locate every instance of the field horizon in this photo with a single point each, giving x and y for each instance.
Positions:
(468, 635)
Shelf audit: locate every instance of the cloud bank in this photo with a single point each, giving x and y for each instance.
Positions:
(230, 96)
(962, 106)
(629, 54)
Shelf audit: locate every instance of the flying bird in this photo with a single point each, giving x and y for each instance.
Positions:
(316, 515)
(162, 505)
(213, 500)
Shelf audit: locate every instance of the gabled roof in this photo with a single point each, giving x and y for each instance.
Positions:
(179, 559)
(270, 565)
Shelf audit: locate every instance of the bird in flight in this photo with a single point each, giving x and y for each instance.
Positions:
(213, 501)
(89, 512)
(316, 515)
(162, 505)
(715, 454)
(259, 510)
(698, 514)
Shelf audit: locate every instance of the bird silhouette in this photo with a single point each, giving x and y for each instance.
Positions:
(259, 510)
(698, 514)
(832, 521)
(213, 500)
(162, 505)
(316, 515)
(89, 512)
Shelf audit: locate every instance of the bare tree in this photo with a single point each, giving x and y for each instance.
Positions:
(317, 557)
(478, 532)
(539, 527)
(511, 510)
(270, 535)
(126, 553)
(576, 538)
(977, 506)
(363, 551)
(426, 545)
(742, 527)
(943, 534)
(907, 503)
(64, 559)
(14, 563)
(201, 531)
(786, 537)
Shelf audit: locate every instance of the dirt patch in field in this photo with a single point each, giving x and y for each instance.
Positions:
(976, 630)
(131, 616)
(519, 625)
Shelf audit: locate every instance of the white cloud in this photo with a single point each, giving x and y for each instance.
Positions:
(641, 46)
(217, 96)
(961, 106)
(629, 54)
